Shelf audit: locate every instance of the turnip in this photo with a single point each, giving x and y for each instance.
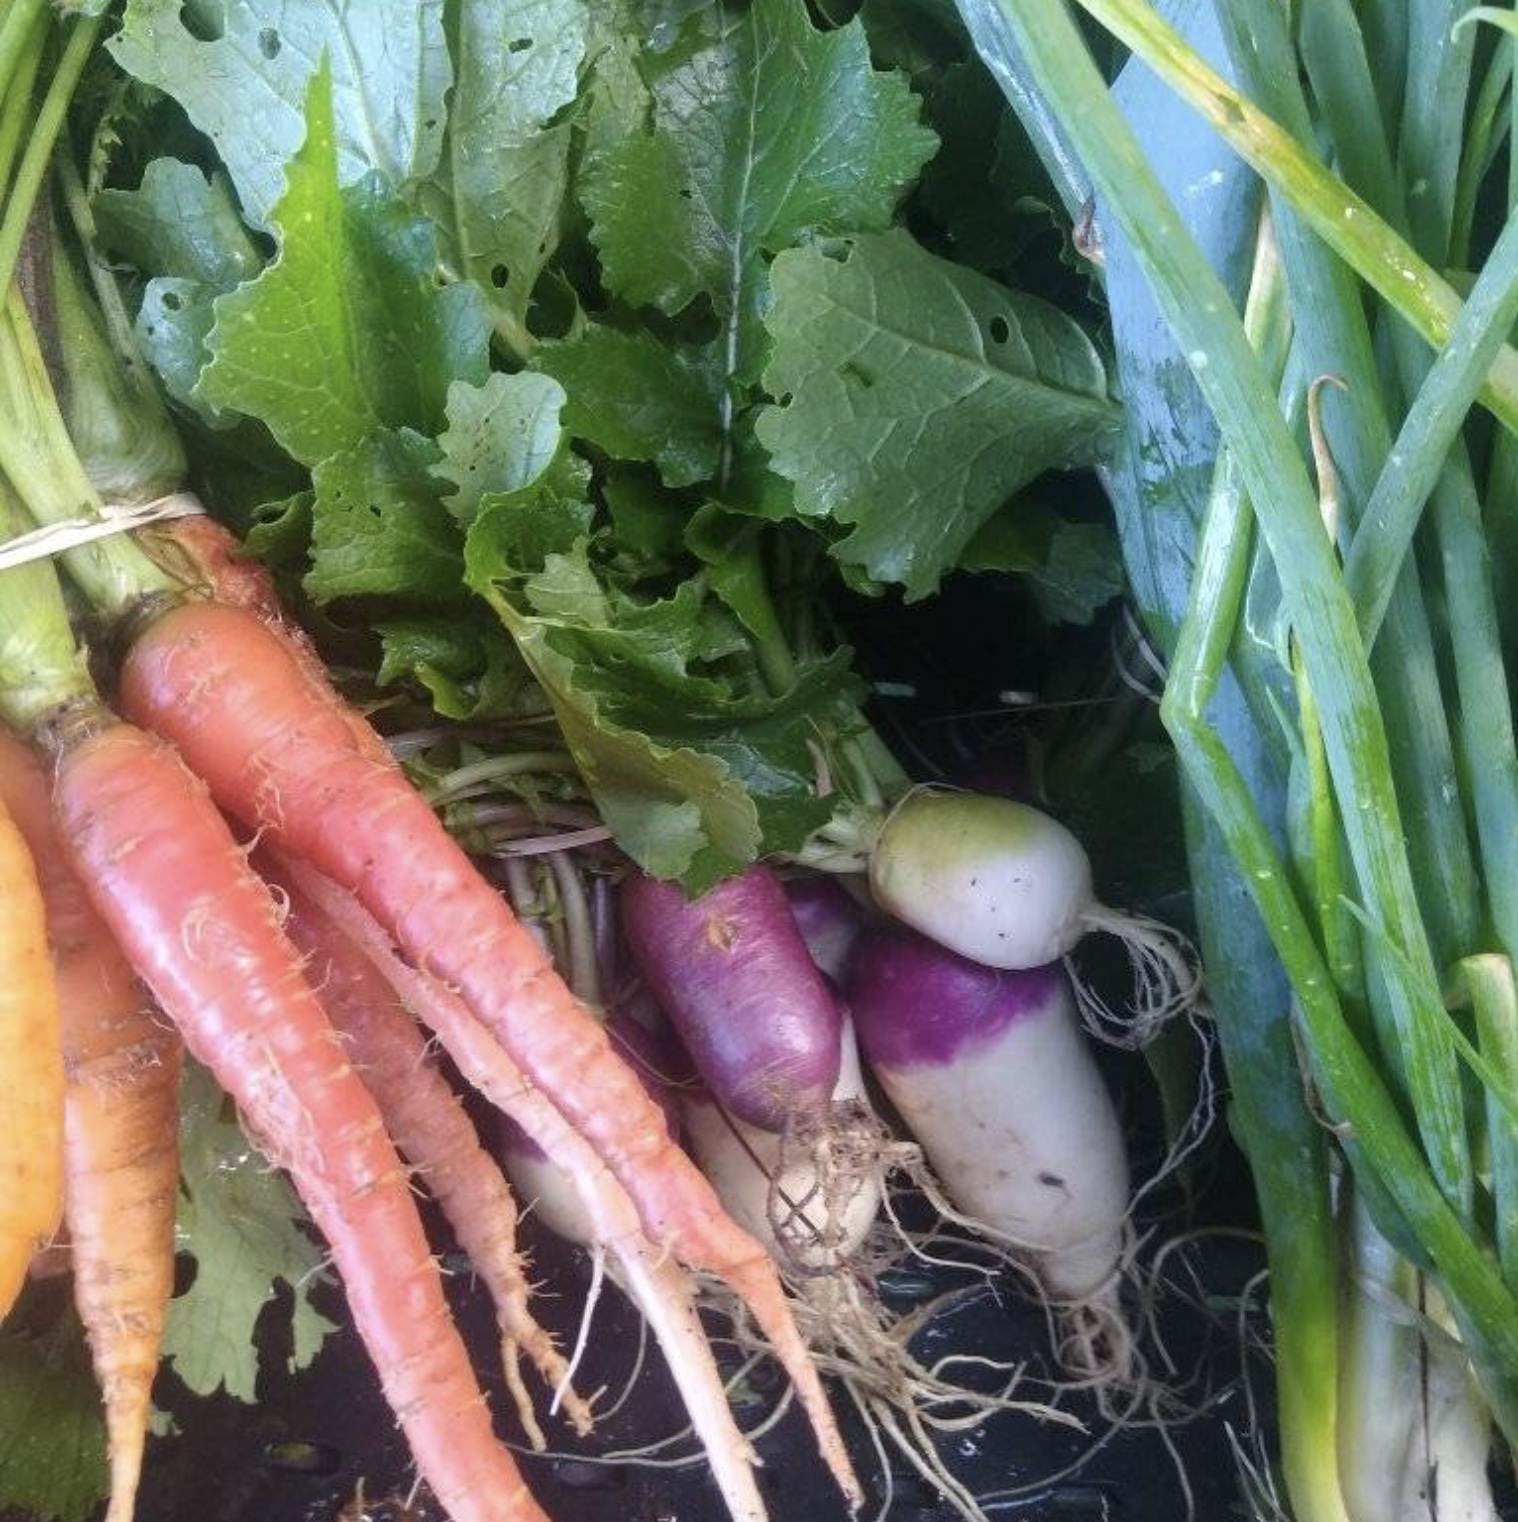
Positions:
(990, 1070)
(829, 919)
(775, 1191)
(733, 974)
(1002, 883)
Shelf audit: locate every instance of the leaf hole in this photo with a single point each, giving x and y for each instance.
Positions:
(171, 301)
(519, 45)
(268, 42)
(203, 22)
(1000, 332)
(499, 275)
(685, 192)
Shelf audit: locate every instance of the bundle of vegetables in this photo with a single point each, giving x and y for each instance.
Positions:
(574, 352)
(1338, 690)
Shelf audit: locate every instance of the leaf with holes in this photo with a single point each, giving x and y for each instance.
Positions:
(379, 526)
(764, 129)
(697, 770)
(242, 69)
(916, 397)
(639, 399)
(501, 437)
(242, 1224)
(347, 330)
(500, 186)
(181, 229)
(179, 223)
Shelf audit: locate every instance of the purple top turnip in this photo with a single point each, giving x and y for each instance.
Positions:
(733, 974)
(829, 920)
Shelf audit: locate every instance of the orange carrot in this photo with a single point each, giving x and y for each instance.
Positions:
(31, 1070)
(427, 1122)
(658, 1285)
(121, 1151)
(206, 554)
(281, 754)
(166, 875)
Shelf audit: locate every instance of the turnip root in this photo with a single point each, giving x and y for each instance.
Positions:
(1005, 885)
(779, 1195)
(990, 1070)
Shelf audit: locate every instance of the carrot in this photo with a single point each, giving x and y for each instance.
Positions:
(427, 1122)
(121, 1153)
(166, 875)
(661, 1289)
(206, 554)
(280, 752)
(31, 1070)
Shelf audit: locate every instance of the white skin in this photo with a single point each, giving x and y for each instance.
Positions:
(740, 1160)
(660, 1289)
(1023, 1135)
(996, 881)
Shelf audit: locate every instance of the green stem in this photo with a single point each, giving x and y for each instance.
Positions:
(1494, 997)
(1341, 218)
(1432, 424)
(1439, 56)
(15, 32)
(1333, 337)
(1486, 717)
(39, 148)
(580, 942)
(1199, 313)
(1489, 129)
(38, 457)
(16, 110)
(1284, 1142)
(500, 768)
(41, 666)
(118, 321)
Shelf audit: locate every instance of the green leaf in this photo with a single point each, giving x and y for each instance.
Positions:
(347, 330)
(646, 521)
(379, 526)
(471, 674)
(279, 532)
(917, 396)
(179, 222)
(639, 399)
(173, 324)
(695, 776)
(1082, 573)
(501, 437)
(726, 543)
(52, 1437)
(243, 1225)
(1073, 568)
(246, 86)
(986, 186)
(506, 169)
(764, 130)
(183, 230)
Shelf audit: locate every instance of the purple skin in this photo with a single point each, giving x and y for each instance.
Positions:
(734, 976)
(652, 1057)
(917, 1004)
(829, 921)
